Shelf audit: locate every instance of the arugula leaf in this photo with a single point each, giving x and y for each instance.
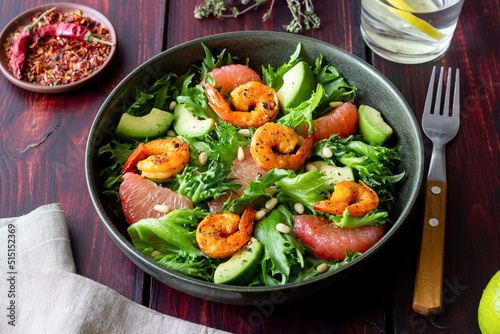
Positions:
(275, 79)
(303, 113)
(307, 188)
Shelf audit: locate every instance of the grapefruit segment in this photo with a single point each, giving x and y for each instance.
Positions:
(341, 120)
(232, 76)
(330, 242)
(139, 196)
(245, 171)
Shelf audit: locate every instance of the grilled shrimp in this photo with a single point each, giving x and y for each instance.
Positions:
(222, 235)
(359, 199)
(159, 159)
(261, 98)
(273, 137)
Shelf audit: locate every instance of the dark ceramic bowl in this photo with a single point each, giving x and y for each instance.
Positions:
(22, 20)
(262, 48)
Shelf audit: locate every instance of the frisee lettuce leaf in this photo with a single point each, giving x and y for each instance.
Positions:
(274, 79)
(335, 86)
(303, 113)
(211, 183)
(158, 96)
(373, 163)
(255, 194)
(280, 251)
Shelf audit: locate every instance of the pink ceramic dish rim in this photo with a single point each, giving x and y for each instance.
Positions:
(23, 19)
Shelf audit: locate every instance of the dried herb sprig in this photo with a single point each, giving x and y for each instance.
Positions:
(302, 12)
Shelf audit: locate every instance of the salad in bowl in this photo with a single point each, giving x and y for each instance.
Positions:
(166, 101)
(238, 178)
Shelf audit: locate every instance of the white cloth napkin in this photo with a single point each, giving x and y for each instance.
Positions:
(41, 292)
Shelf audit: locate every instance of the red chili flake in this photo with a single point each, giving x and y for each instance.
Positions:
(58, 60)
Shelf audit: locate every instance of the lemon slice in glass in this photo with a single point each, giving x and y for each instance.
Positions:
(405, 11)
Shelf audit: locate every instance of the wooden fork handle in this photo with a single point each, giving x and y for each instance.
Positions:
(427, 297)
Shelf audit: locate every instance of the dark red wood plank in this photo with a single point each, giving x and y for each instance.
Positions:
(43, 139)
(340, 20)
(473, 167)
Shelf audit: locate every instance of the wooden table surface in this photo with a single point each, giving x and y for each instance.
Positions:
(43, 139)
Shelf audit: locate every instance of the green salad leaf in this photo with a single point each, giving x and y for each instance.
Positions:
(158, 96)
(174, 237)
(335, 86)
(211, 183)
(307, 188)
(274, 79)
(372, 163)
(303, 113)
(256, 193)
(281, 252)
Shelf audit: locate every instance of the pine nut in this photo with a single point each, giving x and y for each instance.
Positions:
(172, 105)
(171, 133)
(271, 191)
(335, 104)
(283, 228)
(327, 152)
(241, 154)
(244, 132)
(311, 167)
(299, 208)
(203, 157)
(161, 208)
(155, 254)
(322, 267)
(301, 140)
(260, 214)
(271, 204)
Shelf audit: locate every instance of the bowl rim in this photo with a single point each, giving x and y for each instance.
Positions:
(22, 20)
(129, 249)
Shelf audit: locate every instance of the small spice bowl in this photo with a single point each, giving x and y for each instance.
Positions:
(23, 20)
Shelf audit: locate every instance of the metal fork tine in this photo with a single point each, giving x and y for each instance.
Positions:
(430, 90)
(446, 107)
(437, 106)
(456, 95)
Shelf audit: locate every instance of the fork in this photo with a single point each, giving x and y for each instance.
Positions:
(440, 127)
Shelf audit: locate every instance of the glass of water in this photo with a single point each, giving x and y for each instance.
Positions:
(409, 31)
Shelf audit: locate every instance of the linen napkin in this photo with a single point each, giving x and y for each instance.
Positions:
(41, 292)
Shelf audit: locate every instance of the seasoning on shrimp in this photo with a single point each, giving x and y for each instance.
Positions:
(159, 159)
(222, 235)
(255, 104)
(272, 137)
(359, 199)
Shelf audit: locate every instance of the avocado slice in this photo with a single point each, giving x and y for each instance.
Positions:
(372, 126)
(187, 124)
(298, 85)
(334, 174)
(152, 125)
(241, 266)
